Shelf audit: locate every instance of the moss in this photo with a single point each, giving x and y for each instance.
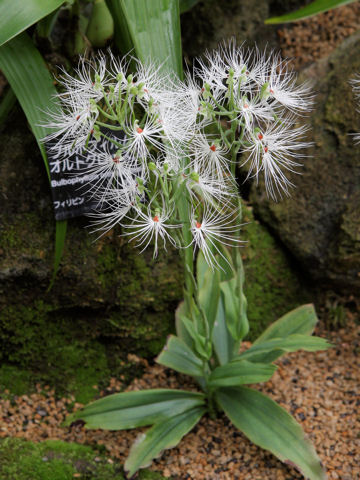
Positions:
(14, 379)
(56, 460)
(271, 286)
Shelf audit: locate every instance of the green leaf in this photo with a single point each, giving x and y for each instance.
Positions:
(241, 373)
(33, 86)
(31, 82)
(136, 409)
(202, 347)
(208, 295)
(300, 320)
(181, 330)
(154, 28)
(223, 342)
(123, 38)
(309, 10)
(160, 437)
(17, 15)
(269, 426)
(272, 349)
(178, 356)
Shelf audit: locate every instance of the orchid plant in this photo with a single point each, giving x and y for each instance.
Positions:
(163, 156)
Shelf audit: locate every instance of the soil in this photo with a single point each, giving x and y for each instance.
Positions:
(318, 389)
(316, 37)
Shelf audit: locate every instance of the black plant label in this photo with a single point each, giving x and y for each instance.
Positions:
(74, 179)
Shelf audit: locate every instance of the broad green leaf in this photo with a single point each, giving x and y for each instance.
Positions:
(178, 356)
(202, 347)
(17, 15)
(309, 10)
(136, 409)
(208, 296)
(232, 307)
(122, 35)
(222, 340)
(161, 436)
(270, 350)
(154, 28)
(269, 426)
(241, 373)
(300, 320)
(181, 330)
(31, 82)
(33, 86)
(240, 277)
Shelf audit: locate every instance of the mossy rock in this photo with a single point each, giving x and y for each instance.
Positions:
(272, 285)
(320, 223)
(56, 460)
(107, 301)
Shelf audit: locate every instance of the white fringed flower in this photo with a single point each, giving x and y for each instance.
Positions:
(89, 82)
(214, 228)
(273, 149)
(72, 126)
(281, 87)
(151, 226)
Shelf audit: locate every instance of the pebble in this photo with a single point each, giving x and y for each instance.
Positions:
(328, 411)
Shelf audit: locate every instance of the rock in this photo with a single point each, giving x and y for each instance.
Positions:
(210, 22)
(320, 223)
(107, 300)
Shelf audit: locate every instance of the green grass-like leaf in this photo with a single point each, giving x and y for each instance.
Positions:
(272, 349)
(178, 356)
(241, 373)
(136, 409)
(154, 28)
(313, 8)
(17, 15)
(270, 427)
(301, 320)
(161, 436)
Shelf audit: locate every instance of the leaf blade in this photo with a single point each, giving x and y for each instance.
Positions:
(314, 8)
(16, 15)
(241, 373)
(136, 409)
(161, 436)
(271, 427)
(301, 320)
(178, 356)
(275, 347)
(155, 31)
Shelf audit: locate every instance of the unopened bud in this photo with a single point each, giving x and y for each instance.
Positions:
(194, 176)
(151, 166)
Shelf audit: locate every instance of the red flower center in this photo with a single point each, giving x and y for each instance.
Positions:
(139, 130)
(213, 148)
(260, 136)
(156, 218)
(266, 149)
(198, 225)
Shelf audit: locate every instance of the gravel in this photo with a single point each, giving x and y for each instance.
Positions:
(319, 389)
